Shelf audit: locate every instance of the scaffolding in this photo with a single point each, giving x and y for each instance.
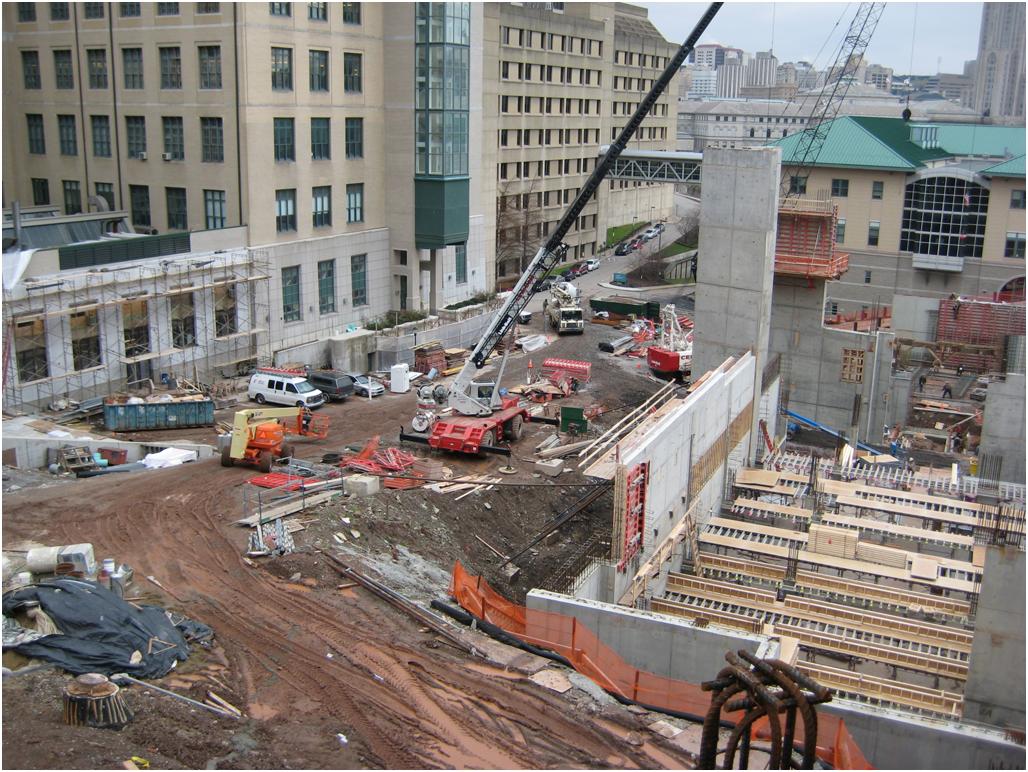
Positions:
(805, 245)
(84, 334)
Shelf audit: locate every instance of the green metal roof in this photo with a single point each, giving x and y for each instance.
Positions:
(884, 143)
(1012, 168)
(972, 139)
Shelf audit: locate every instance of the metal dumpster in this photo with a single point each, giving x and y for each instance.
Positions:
(158, 415)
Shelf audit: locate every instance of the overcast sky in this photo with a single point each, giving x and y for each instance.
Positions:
(943, 31)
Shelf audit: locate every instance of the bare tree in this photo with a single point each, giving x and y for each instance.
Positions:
(518, 227)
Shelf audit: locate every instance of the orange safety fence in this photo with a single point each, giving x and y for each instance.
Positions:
(591, 657)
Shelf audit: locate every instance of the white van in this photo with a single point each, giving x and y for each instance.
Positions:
(284, 390)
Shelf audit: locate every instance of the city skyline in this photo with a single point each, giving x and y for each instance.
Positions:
(944, 37)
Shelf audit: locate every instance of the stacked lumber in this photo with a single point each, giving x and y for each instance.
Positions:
(455, 358)
(429, 468)
(465, 485)
(429, 356)
(885, 556)
(837, 542)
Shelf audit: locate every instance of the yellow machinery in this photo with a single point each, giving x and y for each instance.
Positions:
(258, 436)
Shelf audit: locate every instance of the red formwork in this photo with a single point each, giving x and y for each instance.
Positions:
(805, 242)
(978, 322)
(593, 658)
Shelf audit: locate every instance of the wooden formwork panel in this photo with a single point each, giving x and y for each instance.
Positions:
(885, 690)
(683, 582)
(719, 617)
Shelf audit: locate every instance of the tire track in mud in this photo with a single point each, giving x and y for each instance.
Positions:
(428, 710)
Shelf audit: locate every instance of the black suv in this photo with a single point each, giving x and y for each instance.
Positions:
(332, 383)
(545, 283)
(623, 248)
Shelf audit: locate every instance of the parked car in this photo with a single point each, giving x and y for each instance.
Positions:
(544, 284)
(650, 233)
(637, 244)
(624, 248)
(282, 389)
(591, 264)
(659, 227)
(332, 383)
(567, 274)
(364, 386)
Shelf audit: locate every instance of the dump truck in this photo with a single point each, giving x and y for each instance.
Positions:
(562, 310)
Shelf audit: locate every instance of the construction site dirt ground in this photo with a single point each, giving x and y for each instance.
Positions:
(329, 677)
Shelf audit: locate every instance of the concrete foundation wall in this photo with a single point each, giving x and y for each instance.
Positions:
(892, 740)
(1003, 428)
(31, 452)
(995, 689)
(656, 643)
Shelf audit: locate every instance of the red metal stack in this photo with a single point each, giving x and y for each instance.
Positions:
(979, 322)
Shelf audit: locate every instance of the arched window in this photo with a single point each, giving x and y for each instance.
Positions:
(944, 216)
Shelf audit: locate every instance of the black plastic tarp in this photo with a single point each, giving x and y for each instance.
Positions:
(101, 632)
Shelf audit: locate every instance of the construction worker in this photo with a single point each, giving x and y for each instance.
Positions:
(921, 383)
(947, 392)
(307, 415)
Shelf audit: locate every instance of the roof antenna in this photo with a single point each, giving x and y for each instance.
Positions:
(910, 70)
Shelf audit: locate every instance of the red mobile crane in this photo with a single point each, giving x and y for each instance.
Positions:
(478, 414)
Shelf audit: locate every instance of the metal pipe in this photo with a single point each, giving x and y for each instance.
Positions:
(126, 677)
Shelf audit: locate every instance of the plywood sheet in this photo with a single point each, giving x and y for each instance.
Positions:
(763, 478)
(924, 568)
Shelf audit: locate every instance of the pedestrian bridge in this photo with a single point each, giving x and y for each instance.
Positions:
(675, 166)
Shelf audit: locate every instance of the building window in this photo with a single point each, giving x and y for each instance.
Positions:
(26, 11)
(212, 140)
(317, 11)
(85, 340)
(291, 294)
(797, 185)
(319, 70)
(461, 251)
(40, 192)
(285, 147)
(354, 137)
(214, 209)
(135, 136)
(285, 210)
(944, 216)
(322, 205)
(1015, 246)
(37, 134)
(183, 320)
(321, 139)
(96, 63)
(105, 190)
(358, 280)
(203, 8)
(840, 230)
(132, 64)
(225, 311)
(67, 134)
(59, 12)
(326, 287)
(877, 190)
(93, 10)
(30, 344)
(176, 200)
(441, 99)
(873, 228)
(171, 67)
(128, 9)
(30, 69)
(867, 277)
(139, 201)
(135, 327)
(101, 125)
(1017, 199)
(355, 203)
(351, 13)
(280, 9)
(72, 197)
(282, 69)
(63, 74)
(167, 9)
(852, 365)
(210, 66)
(352, 77)
(174, 141)
(840, 188)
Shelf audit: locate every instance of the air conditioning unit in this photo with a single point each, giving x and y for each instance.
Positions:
(166, 156)
(141, 156)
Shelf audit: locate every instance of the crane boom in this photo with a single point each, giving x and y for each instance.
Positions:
(470, 398)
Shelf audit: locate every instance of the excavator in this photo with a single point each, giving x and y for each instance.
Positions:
(258, 435)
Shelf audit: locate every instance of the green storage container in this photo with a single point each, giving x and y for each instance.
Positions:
(572, 419)
(151, 416)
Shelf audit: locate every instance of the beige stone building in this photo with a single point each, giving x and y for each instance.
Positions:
(564, 83)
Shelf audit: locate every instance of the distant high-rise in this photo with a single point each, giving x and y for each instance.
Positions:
(762, 70)
(999, 82)
(731, 76)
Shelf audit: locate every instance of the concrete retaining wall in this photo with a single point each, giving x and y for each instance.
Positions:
(31, 452)
(1003, 429)
(653, 642)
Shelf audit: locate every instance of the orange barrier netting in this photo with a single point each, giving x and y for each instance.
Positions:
(593, 658)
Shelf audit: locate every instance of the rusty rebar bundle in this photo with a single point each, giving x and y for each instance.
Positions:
(767, 687)
(92, 700)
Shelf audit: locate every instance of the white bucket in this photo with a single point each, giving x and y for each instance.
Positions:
(42, 560)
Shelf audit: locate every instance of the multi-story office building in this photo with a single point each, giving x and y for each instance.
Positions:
(564, 84)
(731, 76)
(999, 79)
(762, 70)
(703, 83)
(879, 76)
(274, 125)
